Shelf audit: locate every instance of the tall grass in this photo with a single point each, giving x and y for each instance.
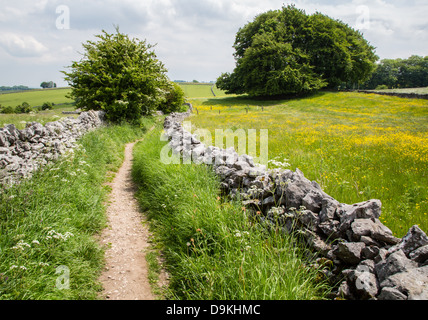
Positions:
(50, 220)
(213, 249)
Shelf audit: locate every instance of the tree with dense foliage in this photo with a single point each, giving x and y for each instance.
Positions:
(289, 52)
(48, 84)
(400, 73)
(174, 99)
(119, 75)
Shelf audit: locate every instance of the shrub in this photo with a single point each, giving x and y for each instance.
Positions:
(47, 106)
(7, 110)
(174, 99)
(119, 75)
(23, 108)
(382, 87)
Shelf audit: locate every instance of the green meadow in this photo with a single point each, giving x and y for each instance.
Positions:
(356, 146)
(36, 97)
(200, 90)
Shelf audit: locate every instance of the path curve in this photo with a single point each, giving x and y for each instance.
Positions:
(125, 276)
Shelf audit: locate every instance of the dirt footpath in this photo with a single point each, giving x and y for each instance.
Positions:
(125, 275)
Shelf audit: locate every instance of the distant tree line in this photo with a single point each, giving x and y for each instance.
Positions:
(14, 88)
(399, 73)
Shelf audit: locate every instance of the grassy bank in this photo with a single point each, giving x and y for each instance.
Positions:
(47, 224)
(213, 249)
(357, 146)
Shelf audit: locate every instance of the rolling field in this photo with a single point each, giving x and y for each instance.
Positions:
(356, 146)
(200, 90)
(35, 97)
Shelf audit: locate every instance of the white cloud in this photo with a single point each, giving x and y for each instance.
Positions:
(19, 45)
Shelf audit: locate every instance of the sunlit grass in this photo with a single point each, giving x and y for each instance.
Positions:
(357, 146)
(35, 97)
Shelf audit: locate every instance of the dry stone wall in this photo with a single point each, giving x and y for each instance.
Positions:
(24, 151)
(398, 94)
(363, 255)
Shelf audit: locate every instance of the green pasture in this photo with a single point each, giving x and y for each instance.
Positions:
(36, 97)
(200, 90)
(356, 146)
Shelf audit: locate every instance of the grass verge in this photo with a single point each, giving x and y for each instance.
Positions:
(213, 249)
(47, 224)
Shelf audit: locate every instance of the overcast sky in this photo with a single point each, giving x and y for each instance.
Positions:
(194, 38)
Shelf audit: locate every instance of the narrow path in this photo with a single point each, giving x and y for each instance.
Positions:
(125, 275)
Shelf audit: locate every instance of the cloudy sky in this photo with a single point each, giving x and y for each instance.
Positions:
(194, 38)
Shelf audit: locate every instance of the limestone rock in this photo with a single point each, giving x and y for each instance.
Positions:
(349, 252)
(414, 239)
(420, 254)
(396, 262)
(412, 283)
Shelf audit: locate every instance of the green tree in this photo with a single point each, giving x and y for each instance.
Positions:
(400, 73)
(119, 75)
(287, 51)
(49, 84)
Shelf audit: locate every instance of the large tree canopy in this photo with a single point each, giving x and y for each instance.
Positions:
(287, 51)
